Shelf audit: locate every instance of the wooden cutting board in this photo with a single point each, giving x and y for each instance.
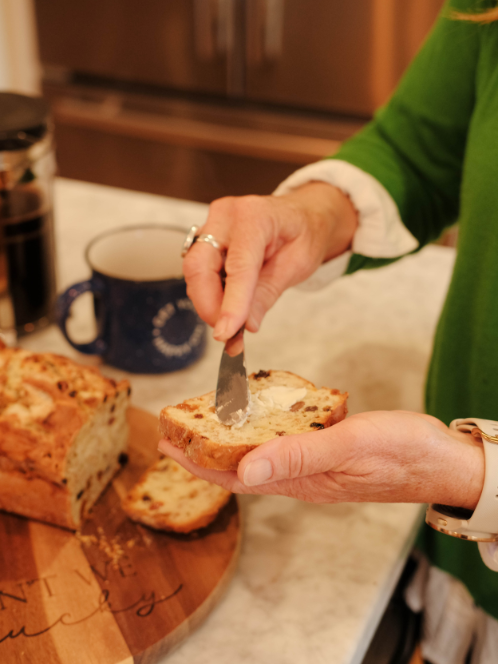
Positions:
(120, 592)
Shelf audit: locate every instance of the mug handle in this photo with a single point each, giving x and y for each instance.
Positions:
(64, 302)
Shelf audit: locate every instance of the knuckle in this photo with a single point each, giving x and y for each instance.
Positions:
(270, 290)
(303, 266)
(252, 201)
(247, 201)
(240, 266)
(250, 211)
(241, 260)
(292, 459)
(221, 204)
(220, 216)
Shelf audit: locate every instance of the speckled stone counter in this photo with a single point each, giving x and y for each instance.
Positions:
(313, 580)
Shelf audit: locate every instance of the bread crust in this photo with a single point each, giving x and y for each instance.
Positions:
(208, 453)
(166, 469)
(158, 522)
(45, 402)
(35, 498)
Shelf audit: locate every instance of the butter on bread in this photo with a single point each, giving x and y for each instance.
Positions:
(194, 426)
(168, 497)
(63, 435)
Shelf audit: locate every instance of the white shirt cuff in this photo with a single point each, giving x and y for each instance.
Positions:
(489, 554)
(380, 232)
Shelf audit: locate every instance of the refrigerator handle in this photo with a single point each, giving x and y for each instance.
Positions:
(274, 29)
(219, 33)
(214, 28)
(206, 29)
(224, 26)
(265, 21)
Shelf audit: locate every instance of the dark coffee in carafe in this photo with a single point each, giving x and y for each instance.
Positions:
(27, 257)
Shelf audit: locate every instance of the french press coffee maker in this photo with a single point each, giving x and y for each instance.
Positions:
(27, 257)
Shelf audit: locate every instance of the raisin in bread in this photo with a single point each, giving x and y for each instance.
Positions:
(63, 435)
(281, 404)
(170, 498)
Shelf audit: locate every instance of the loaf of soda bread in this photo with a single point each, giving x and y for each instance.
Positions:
(63, 435)
(281, 404)
(168, 497)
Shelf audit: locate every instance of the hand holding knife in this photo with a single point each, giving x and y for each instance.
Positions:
(232, 390)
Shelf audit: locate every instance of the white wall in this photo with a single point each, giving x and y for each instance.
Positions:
(19, 63)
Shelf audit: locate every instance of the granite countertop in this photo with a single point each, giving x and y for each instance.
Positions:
(313, 580)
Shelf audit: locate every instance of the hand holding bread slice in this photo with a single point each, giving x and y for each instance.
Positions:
(281, 404)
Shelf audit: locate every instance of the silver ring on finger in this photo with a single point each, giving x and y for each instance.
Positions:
(192, 238)
(209, 239)
(189, 240)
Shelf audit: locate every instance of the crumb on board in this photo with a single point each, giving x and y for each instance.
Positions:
(87, 540)
(112, 548)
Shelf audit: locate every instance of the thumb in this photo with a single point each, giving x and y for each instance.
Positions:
(289, 457)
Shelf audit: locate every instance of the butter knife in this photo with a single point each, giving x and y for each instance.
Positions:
(232, 390)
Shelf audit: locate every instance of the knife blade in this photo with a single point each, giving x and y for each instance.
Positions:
(232, 390)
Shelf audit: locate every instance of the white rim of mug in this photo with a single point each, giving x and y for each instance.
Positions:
(134, 227)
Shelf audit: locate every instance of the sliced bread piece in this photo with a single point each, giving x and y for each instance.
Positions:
(281, 404)
(168, 497)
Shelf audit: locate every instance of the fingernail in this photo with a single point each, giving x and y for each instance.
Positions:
(161, 447)
(220, 328)
(258, 472)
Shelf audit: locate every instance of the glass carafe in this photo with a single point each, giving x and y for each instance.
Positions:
(27, 256)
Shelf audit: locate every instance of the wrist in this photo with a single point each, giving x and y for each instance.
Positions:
(328, 207)
(464, 476)
(479, 522)
(345, 223)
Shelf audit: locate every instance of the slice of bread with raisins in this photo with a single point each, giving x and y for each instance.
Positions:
(281, 404)
(168, 497)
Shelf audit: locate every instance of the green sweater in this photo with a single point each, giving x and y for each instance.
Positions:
(434, 147)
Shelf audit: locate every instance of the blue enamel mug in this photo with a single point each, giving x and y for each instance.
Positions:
(145, 321)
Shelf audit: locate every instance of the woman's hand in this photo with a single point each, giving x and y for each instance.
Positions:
(272, 243)
(394, 456)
